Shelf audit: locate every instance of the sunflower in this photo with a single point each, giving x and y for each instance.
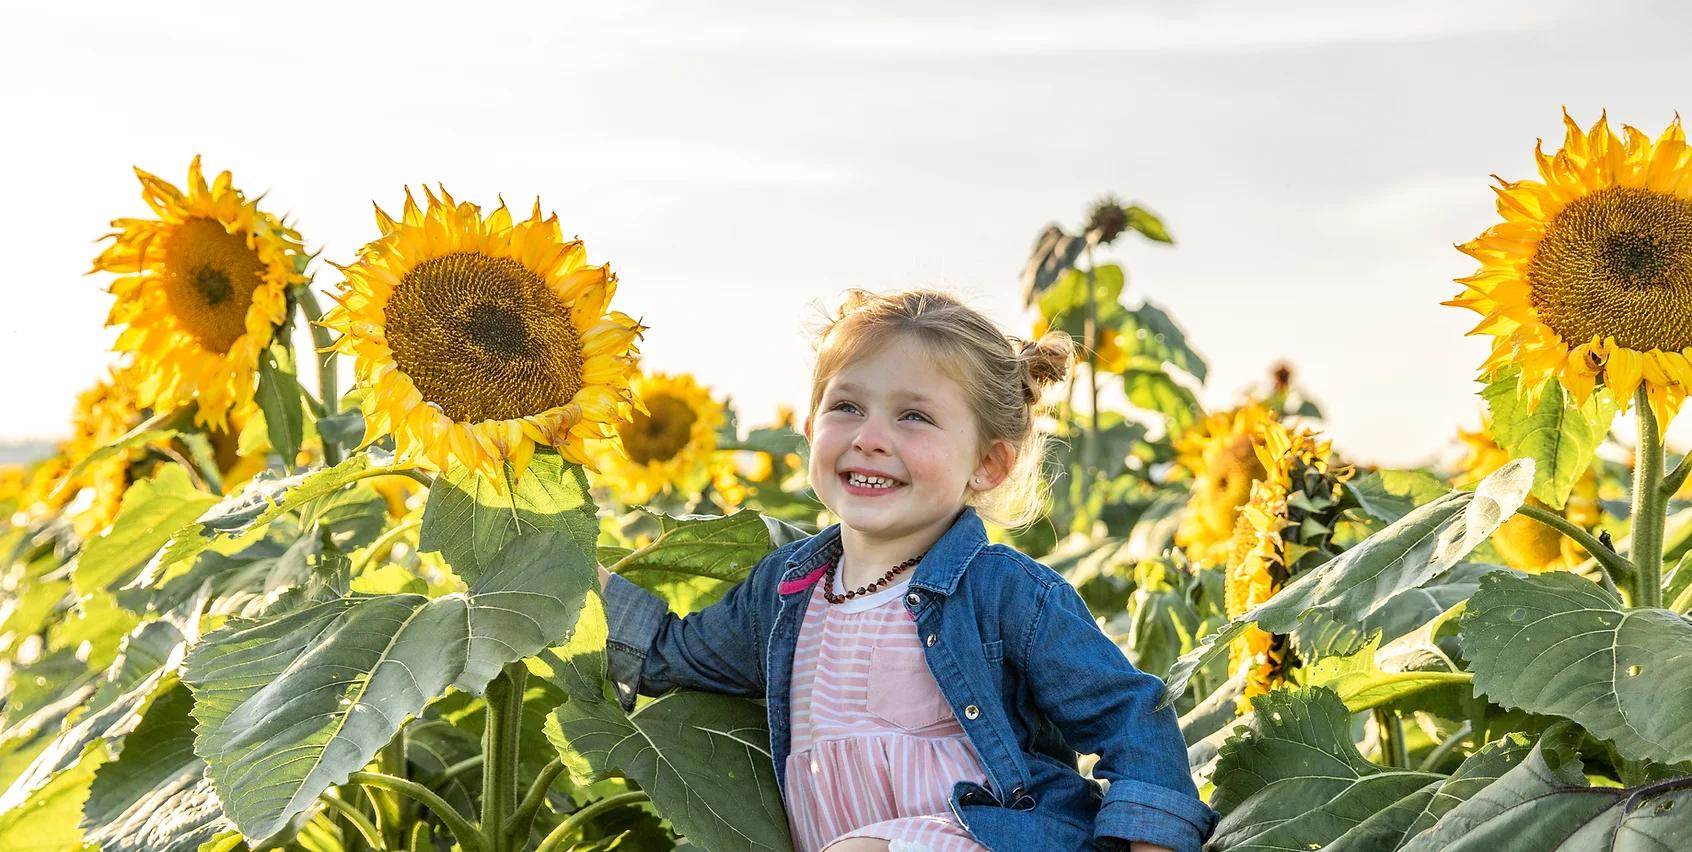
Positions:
(202, 291)
(1220, 455)
(1589, 277)
(1527, 544)
(477, 339)
(1285, 527)
(236, 467)
(104, 413)
(672, 443)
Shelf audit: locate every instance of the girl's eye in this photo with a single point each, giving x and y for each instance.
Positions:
(917, 414)
(843, 405)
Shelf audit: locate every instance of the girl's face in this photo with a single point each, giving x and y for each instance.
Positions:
(893, 445)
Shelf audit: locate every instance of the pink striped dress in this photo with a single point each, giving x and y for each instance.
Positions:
(875, 747)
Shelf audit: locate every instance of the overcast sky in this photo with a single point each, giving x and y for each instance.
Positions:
(738, 162)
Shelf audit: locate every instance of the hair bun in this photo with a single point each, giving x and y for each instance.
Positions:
(1045, 362)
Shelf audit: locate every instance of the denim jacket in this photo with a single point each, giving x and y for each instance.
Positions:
(1017, 656)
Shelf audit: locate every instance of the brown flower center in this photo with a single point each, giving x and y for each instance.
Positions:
(484, 338)
(663, 434)
(1617, 263)
(209, 279)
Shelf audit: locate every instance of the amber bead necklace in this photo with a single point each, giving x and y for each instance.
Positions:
(834, 562)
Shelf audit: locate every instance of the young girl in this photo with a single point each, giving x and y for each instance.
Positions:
(926, 690)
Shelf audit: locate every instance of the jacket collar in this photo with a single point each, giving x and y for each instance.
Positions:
(938, 572)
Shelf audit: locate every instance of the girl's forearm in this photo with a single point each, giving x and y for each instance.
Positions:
(1137, 846)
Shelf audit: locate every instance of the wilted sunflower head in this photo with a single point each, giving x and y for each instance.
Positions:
(1107, 219)
(478, 338)
(673, 442)
(1220, 454)
(200, 293)
(1589, 276)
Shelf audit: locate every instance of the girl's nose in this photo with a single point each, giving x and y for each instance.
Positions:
(871, 437)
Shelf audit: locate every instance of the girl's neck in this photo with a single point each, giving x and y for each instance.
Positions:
(867, 558)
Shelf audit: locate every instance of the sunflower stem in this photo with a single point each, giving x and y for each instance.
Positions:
(1090, 340)
(500, 733)
(355, 818)
(1675, 479)
(462, 829)
(326, 365)
(1649, 503)
(1391, 731)
(555, 840)
(1619, 569)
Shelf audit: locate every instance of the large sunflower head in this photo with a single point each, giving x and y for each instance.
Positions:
(1286, 526)
(1526, 544)
(673, 442)
(478, 338)
(201, 289)
(1221, 455)
(1589, 276)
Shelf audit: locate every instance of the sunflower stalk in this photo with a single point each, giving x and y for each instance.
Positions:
(1649, 505)
(500, 743)
(327, 363)
(1090, 340)
(555, 840)
(1620, 571)
(465, 832)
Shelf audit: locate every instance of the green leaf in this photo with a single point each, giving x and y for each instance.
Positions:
(1150, 333)
(280, 399)
(155, 797)
(264, 499)
(694, 559)
(1154, 390)
(152, 510)
(288, 705)
(1147, 224)
(1359, 582)
(1388, 495)
(578, 666)
(1560, 645)
(1544, 803)
(467, 520)
(46, 821)
(703, 758)
(1559, 436)
(127, 442)
(1363, 685)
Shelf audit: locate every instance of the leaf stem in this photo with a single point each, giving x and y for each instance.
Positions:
(1648, 505)
(326, 364)
(517, 829)
(581, 818)
(1621, 571)
(384, 540)
(461, 828)
(468, 764)
(1677, 477)
(1445, 747)
(356, 817)
(1391, 732)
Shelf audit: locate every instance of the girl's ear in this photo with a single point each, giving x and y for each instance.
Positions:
(994, 466)
(807, 428)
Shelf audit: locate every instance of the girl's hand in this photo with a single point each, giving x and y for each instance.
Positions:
(604, 577)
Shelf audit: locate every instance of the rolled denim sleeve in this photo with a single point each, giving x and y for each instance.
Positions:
(650, 650)
(1103, 705)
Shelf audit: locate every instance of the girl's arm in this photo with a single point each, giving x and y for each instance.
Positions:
(650, 650)
(1103, 705)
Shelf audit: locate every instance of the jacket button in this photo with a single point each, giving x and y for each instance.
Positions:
(913, 599)
(972, 711)
(931, 639)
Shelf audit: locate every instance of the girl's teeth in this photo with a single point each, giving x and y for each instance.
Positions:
(869, 481)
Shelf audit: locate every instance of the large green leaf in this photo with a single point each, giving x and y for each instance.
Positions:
(280, 398)
(695, 558)
(1558, 435)
(1150, 333)
(1544, 804)
(467, 520)
(1154, 390)
(1146, 224)
(1292, 780)
(1064, 304)
(1388, 495)
(703, 758)
(264, 499)
(1560, 645)
(289, 705)
(155, 797)
(46, 820)
(1356, 584)
(152, 510)
(1361, 683)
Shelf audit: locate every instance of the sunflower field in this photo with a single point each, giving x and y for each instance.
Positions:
(242, 607)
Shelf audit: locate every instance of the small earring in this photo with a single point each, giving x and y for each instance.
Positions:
(978, 480)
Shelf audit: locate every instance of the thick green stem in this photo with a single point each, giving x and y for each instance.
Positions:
(461, 828)
(354, 817)
(500, 734)
(1649, 503)
(1621, 571)
(1090, 340)
(1391, 731)
(581, 818)
(518, 829)
(327, 379)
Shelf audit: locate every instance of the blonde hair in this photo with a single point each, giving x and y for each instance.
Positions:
(1003, 377)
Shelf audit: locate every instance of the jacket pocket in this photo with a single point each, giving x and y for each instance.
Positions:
(902, 691)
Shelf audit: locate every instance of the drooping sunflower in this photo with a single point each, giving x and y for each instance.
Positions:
(1589, 276)
(1220, 454)
(477, 339)
(202, 290)
(1526, 544)
(1286, 527)
(673, 442)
